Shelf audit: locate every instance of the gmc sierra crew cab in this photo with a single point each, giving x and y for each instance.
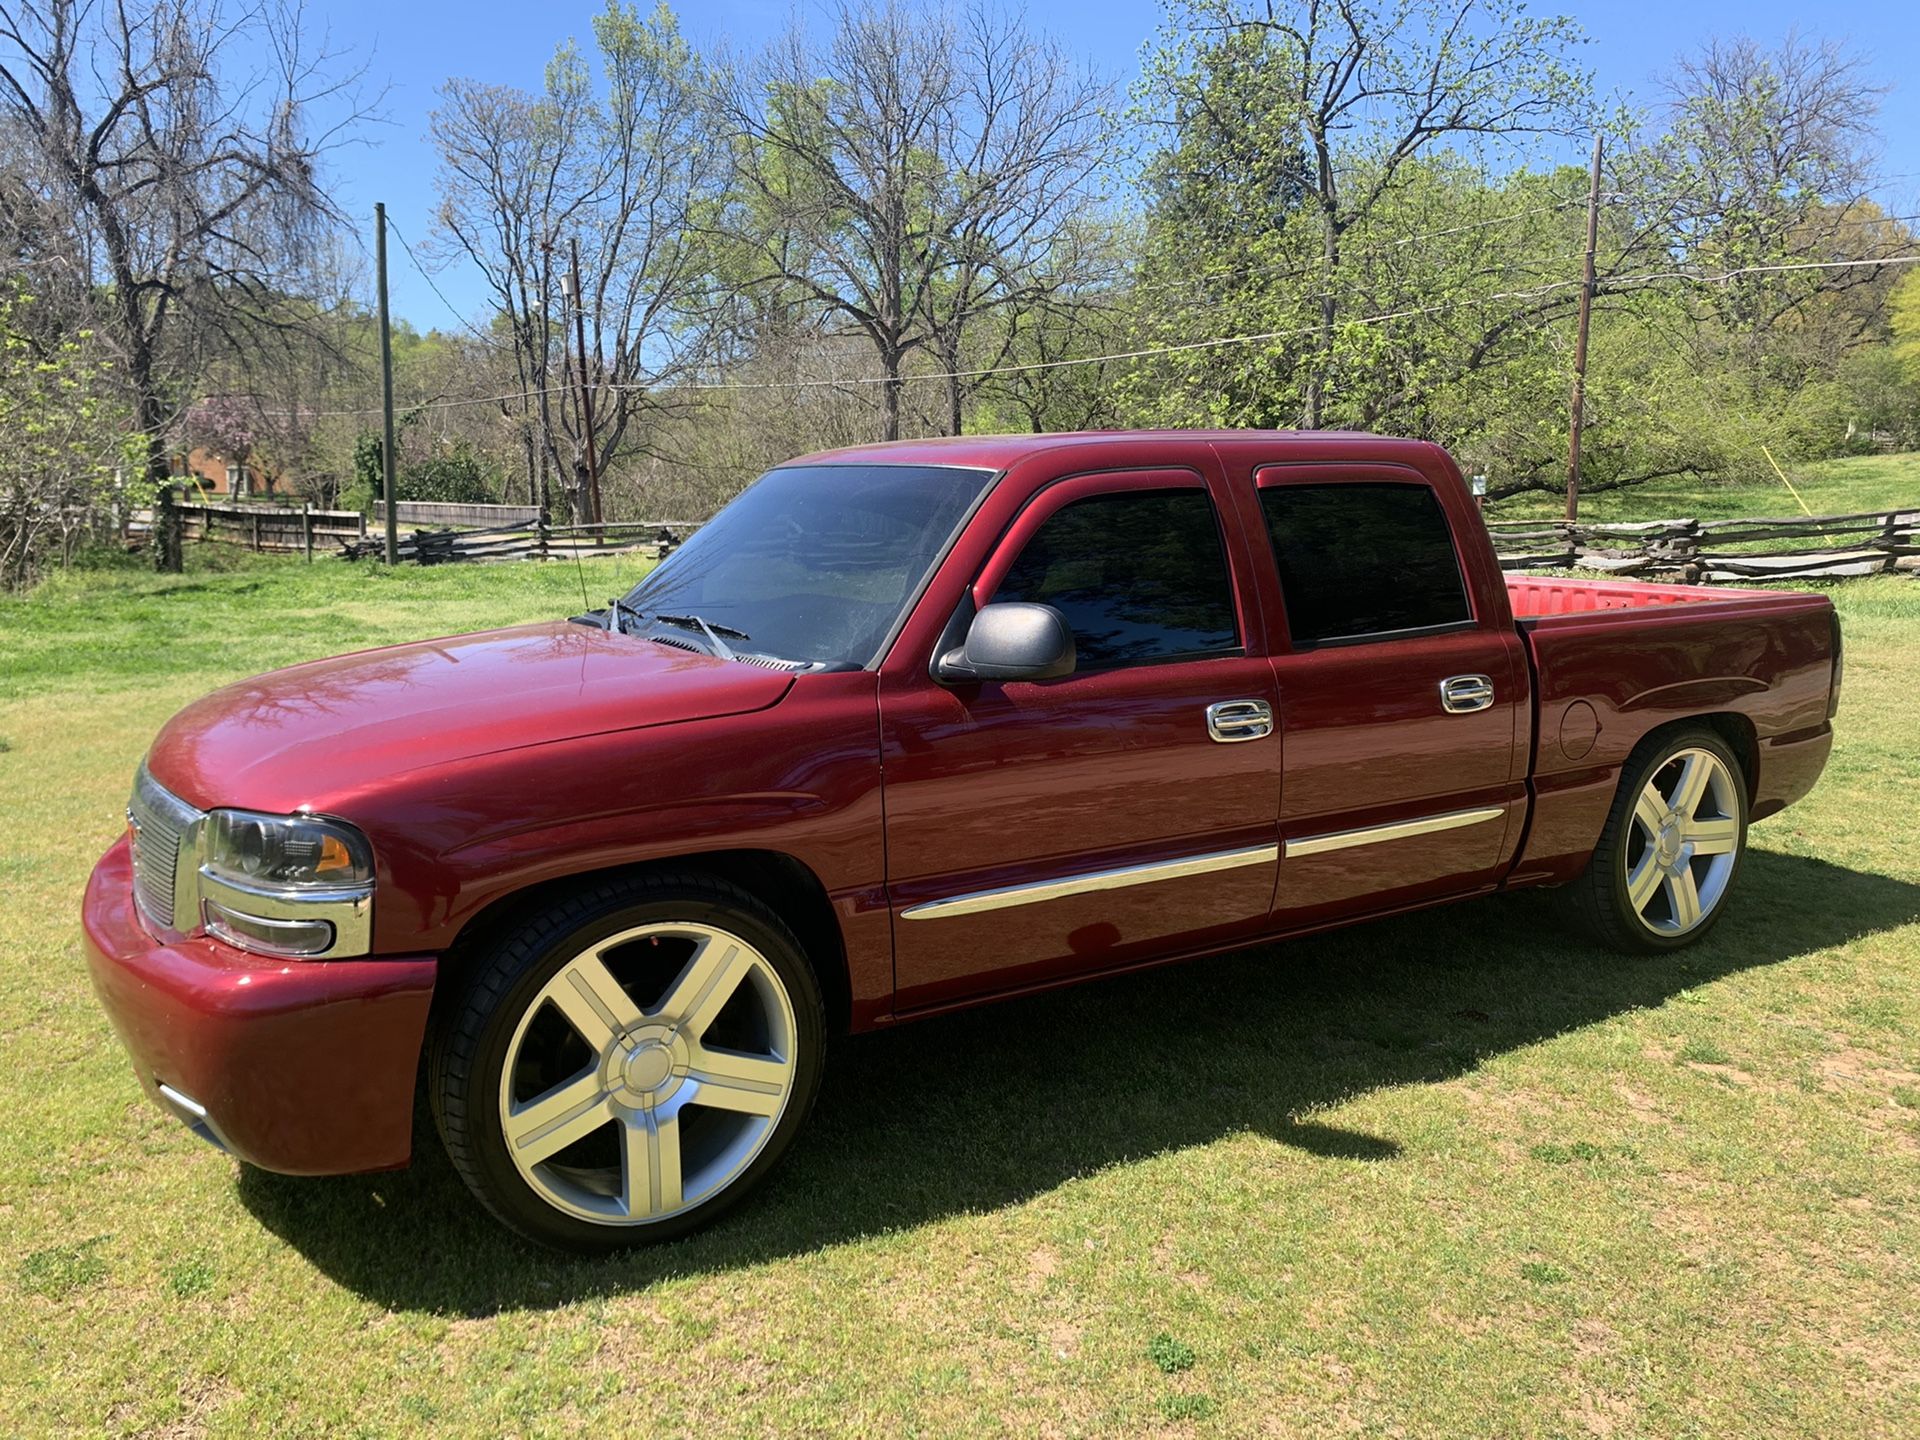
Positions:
(905, 728)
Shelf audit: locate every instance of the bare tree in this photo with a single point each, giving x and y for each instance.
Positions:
(1018, 178)
(196, 192)
(623, 170)
(511, 181)
(909, 178)
(1768, 160)
(1048, 374)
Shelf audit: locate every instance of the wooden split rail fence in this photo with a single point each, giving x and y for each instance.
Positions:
(286, 529)
(282, 529)
(1693, 551)
(1706, 551)
(526, 542)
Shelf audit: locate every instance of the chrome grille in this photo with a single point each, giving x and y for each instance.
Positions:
(162, 823)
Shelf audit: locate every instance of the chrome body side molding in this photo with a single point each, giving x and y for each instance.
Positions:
(1031, 894)
(1399, 830)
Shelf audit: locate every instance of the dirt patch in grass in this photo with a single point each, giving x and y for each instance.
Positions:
(1847, 1066)
(1641, 1105)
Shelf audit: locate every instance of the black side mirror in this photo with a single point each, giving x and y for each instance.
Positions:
(1011, 641)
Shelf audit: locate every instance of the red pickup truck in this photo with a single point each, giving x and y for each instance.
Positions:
(902, 729)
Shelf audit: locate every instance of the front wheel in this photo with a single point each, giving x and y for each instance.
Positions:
(630, 1063)
(1672, 844)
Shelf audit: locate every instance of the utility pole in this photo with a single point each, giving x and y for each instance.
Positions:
(543, 375)
(1577, 404)
(586, 399)
(386, 386)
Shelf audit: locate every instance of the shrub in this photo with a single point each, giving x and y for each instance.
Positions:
(459, 477)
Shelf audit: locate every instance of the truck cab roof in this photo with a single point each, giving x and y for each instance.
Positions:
(1001, 452)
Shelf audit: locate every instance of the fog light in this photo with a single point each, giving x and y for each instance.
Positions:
(268, 936)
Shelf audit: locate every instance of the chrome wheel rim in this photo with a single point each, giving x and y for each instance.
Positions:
(648, 1073)
(1683, 843)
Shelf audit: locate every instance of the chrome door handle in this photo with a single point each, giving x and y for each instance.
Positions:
(1463, 694)
(1231, 721)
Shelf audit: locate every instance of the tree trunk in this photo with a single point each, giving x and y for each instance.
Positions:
(890, 389)
(533, 469)
(1323, 346)
(164, 536)
(527, 446)
(955, 393)
(1315, 408)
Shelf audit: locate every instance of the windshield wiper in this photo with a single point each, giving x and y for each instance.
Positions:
(614, 609)
(692, 621)
(712, 632)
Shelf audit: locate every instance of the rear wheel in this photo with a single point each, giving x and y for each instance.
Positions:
(627, 1065)
(1672, 844)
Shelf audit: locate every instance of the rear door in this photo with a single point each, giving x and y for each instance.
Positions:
(1040, 830)
(1403, 698)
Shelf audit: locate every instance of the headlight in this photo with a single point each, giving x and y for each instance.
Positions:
(290, 885)
(285, 852)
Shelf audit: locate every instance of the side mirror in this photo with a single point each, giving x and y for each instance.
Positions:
(1011, 641)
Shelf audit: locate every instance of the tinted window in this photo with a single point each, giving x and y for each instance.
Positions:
(1359, 560)
(1139, 574)
(815, 562)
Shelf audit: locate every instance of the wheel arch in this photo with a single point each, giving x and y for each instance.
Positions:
(1735, 730)
(786, 884)
(1744, 740)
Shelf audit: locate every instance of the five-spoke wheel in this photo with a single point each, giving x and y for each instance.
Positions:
(1672, 843)
(1686, 831)
(690, 1085)
(621, 1070)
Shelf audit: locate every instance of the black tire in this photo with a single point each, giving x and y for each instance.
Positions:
(1600, 896)
(469, 1048)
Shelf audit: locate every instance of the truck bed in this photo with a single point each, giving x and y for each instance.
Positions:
(1535, 598)
(1613, 660)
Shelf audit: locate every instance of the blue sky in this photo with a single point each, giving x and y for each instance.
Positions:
(417, 44)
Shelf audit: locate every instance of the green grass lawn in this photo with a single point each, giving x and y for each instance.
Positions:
(1456, 1174)
(1829, 487)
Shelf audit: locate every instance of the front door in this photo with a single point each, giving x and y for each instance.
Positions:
(1041, 830)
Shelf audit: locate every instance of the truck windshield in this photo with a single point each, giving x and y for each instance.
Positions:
(814, 562)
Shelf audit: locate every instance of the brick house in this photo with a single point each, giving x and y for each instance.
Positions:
(200, 469)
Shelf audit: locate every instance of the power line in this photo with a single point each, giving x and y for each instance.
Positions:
(1608, 285)
(485, 339)
(1355, 255)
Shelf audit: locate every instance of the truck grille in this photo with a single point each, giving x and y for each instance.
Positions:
(162, 823)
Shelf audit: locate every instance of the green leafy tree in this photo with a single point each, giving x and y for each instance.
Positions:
(458, 477)
(1904, 318)
(65, 433)
(1299, 138)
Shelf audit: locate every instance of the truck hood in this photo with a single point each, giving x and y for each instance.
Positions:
(312, 733)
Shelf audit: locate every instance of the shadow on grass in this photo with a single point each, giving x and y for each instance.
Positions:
(991, 1107)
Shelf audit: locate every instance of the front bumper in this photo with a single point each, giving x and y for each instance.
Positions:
(301, 1066)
